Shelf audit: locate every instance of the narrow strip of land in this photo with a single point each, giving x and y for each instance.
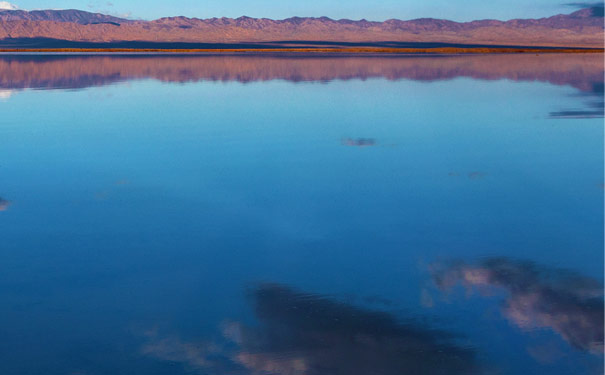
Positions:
(440, 50)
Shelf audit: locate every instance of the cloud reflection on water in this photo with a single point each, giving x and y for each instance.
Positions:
(359, 142)
(6, 94)
(4, 204)
(594, 106)
(300, 333)
(537, 297)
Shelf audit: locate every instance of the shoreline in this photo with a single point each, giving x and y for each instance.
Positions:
(355, 50)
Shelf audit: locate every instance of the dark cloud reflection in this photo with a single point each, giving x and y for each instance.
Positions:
(569, 304)
(576, 114)
(594, 106)
(300, 333)
(359, 142)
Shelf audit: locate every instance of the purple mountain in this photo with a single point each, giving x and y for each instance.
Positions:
(583, 28)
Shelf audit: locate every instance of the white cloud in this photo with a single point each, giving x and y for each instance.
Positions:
(5, 5)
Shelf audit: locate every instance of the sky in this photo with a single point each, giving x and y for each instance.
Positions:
(375, 10)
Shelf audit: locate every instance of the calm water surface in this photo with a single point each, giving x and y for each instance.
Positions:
(301, 215)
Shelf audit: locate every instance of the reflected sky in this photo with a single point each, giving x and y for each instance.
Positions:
(257, 215)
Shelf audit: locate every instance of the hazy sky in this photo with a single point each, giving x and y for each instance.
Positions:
(355, 9)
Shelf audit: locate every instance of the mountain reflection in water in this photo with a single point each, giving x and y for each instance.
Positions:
(584, 72)
(581, 71)
(300, 333)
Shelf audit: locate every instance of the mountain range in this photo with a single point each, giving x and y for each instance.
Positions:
(583, 28)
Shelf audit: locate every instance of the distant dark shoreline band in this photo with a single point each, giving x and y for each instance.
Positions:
(442, 50)
(59, 45)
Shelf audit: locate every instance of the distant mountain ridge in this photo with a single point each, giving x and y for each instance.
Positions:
(583, 28)
(70, 15)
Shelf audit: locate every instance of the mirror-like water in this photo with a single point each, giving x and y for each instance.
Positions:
(301, 215)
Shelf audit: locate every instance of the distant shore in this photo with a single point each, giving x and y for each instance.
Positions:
(356, 50)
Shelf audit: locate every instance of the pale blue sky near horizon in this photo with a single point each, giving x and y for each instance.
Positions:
(377, 10)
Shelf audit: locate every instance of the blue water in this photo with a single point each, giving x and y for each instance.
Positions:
(367, 225)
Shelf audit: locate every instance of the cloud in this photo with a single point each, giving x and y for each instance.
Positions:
(5, 5)
(99, 4)
(106, 8)
(596, 7)
(584, 5)
(566, 303)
